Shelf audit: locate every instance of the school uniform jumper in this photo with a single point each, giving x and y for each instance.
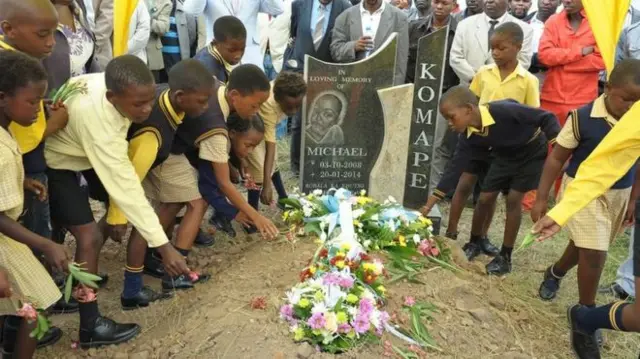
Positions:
(213, 61)
(596, 225)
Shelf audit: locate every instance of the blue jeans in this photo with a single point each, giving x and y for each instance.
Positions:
(268, 67)
(36, 216)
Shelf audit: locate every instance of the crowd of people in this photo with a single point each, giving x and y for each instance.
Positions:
(162, 133)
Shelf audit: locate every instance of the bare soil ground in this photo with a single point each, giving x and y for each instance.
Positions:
(478, 317)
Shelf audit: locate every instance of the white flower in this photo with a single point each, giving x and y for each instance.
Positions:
(375, 217)
(366, 243)
(352, 311)
(357, 213)
(319, 308)
(294, 296)
(367, 294)
(323, 237)
(430, 228)
(416, 238)
(379, 267)
(331, 322)
(317, 192)
(392, 200)
(307, 211)
(363, 193)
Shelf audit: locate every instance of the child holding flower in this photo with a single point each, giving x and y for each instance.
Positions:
(23, 83)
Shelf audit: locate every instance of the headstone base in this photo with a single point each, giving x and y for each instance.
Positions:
(436, 219)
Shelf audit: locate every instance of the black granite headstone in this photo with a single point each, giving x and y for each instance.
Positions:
(343, 124)
(430, 64)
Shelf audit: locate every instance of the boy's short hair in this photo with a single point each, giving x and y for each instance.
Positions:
(290, 84)
(460, 96)
(190, 75)
(124, 71)
(625, 72)
(229, 27)
(512, 31)
(18, 71)
(248, 79)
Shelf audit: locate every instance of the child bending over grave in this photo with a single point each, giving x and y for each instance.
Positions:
(515, 136)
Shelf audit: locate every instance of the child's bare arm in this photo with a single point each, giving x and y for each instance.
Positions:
(551, 171)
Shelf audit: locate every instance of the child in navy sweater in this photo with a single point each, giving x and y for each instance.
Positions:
(516, 137)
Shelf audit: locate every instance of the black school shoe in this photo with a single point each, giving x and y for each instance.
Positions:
(223, 224)
(64, 307)
(145, 296)
(203, 240)
(453, 236)
(614, 289)
(584, 344)
(488, 248)
(182, 282)
(107, 332)
(549, 286)
(153, 266)
(472, 250)
(500, 265)
(10, 334)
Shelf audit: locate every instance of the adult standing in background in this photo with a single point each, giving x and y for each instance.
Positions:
(274, 36)
(103, 29)
(520, 9)
(160, 14)
(470, 49)
(474, 7)
(312, 22)
(245, 10)
(139, 32)
(568, 48)
(362, 29)
(546, 8)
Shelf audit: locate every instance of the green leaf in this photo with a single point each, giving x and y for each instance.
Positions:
(67, 288)
(291, 202)
(527, 242)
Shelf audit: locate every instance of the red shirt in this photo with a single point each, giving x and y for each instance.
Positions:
(572, 79)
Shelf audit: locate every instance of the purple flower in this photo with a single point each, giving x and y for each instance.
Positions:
(366, 307)
(384, 319)
(361, 324)
(317, 321)
(344, 328)
(286, 312)
(346, 282)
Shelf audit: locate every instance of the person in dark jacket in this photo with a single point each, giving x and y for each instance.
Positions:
(309, 34)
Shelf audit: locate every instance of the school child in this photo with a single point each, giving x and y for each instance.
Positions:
(287, 92)
(22, 23)
(226, 49)
(23, 83)
(175, 181)
(187, 94)
(94, 144)
(516, 136)
(243, 137)
(593, 228)
(607, 164)
(506, 78)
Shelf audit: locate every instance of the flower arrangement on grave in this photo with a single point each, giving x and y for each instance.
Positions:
(336, 305)
(378, 226)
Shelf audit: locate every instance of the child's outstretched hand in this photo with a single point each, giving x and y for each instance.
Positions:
(58, 116)
(36, 187)
(545, 228)
(267, 229)
(243, 219)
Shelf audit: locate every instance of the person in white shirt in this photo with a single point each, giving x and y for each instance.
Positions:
(274, 37)
(361, 30)
(139, 31)
(546, 8)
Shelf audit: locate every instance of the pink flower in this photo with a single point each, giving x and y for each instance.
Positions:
(366, 307)
(194, 276)
(28, 312)
(84, 294)
(344, 328)
(435, 251)
(361, 324)
(409, 301)
(74, 345)
(346, 282)
(317, 321)
(424, 247)
(286, 312)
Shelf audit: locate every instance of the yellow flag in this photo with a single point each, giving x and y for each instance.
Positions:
(606, 18)
(122, 13)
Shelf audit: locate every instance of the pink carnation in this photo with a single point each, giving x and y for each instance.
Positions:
(286, 312)
(409, 301)
(317, 321)
(28, 312)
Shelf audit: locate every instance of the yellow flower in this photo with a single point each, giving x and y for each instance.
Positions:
(312, 269)
(345, 246)
(303, 303)
(402, 241)
(382, 289)
(356, 223)
(318, 296)
(368, 267)
(363, 200)
(351, 334)
(340, 264)
(342, 317)
(298, 334)
(403, 244)
(285, 215)
(352, 298)
(424, 220)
